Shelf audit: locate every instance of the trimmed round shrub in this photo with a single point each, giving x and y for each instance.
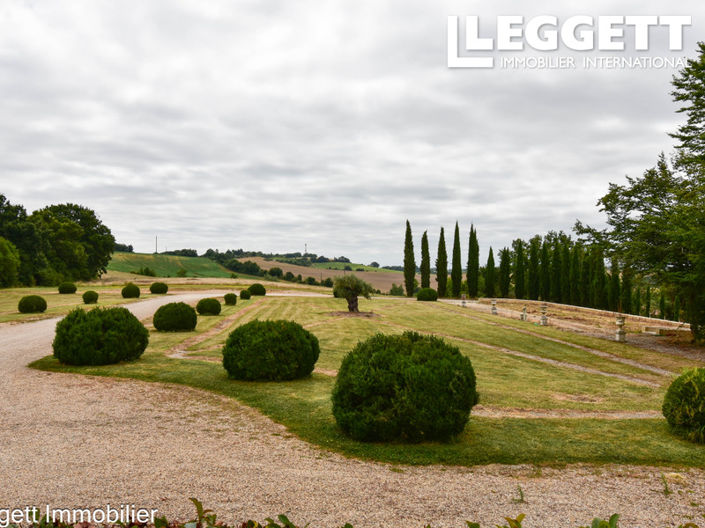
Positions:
(257, 289)
(159, 288)
(427, 294)
(90, 297)
(230, 299)
(130, 291)
(270, 350)
(208, 306)
(175, 317)
(32, 304)
(405, 387)
(244, 295)
(100, 337)
(67, 287)
(684, 405)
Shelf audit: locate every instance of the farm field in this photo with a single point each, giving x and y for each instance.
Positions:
(546, 396)
(166, 265)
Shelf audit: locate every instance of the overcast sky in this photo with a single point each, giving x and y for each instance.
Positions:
(270, 124)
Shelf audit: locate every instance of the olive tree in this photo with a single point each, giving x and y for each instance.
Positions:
(350, 288)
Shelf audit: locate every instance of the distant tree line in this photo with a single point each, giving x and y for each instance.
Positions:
(51, 245)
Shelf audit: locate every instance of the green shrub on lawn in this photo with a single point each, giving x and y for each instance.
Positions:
(230, 299)
(208, 306)
(130, 291)
(158, 288)
(405, 387)
(90, 297)
(427, 294)
(244, 295)
(32, 304)
(100, 337)
(67, 287)
(175, 317)
(684, 405)
(257, 289)
(270, 350)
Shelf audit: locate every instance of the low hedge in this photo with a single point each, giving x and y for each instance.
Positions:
(230, 299)
(244, 295)
(101, 336)
(67, 287)
(159, 288)
(130, 291)
(90, 297)
(175, 317)
(208, 306)
(270, 350)
(405, 387)
(257, 289)
(684, 405)
(427, 294)
(32, 304)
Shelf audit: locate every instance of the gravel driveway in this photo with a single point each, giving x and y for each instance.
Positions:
(77, 441)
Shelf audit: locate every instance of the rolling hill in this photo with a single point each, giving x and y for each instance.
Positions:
(167, 265)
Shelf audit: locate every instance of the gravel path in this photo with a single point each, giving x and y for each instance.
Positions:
(78, 441)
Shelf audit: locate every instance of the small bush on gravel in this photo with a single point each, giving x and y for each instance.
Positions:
(67, 287)
(405, 387)
(270, 350)
(100, 337)
(159, 288)
(244, 295)
(32, 304)
(130, 291)
(175, 317)
(230, 299)
(257, 289)
(90, 297)
(684, 405)
(208, 306)
(427, 294)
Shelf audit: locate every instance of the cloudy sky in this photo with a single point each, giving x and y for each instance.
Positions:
(270, 124)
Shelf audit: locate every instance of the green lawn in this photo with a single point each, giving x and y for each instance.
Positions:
(504, 380)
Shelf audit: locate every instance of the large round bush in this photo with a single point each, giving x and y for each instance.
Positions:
(208, 306)
(257, 289)
(175, 317)
(67, 287)
(32, 304)
(230, 299)
(244, 295)
(684, 405)
(159, 288)
(405, 387)
(427, 294)
(90, 297)
(99, 337)
(130, 291)
(270, 350)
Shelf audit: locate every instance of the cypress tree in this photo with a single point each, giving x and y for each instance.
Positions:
(519, 271)
(409, 262)
(456, 270)
(545, 279)
(490, 276)
(473, 271)
(613, 296)
(677, 308)
(505, 272)
(565, 272)
(425, 262)
(556, 266)
(534, 264)
(442, 266)
(599, 282)
(647, 307)
(585, 286)
(626, 295)
(662, 306)
(574, 275)
(636, 304)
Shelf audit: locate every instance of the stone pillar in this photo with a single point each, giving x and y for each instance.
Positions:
(462, 300)
(621, 335)
(524, 317)
(544, 317)
(494, 306)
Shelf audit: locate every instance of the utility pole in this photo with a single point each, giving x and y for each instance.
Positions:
(155, 245)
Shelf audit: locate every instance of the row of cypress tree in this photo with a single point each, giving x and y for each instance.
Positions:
(552, 268)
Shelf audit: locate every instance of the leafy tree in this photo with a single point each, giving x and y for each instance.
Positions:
(490, 276)
(689, 89)
(9, 263)
(442, 266)
(374, 264)
(505, 270)
(350, 287)
(15, 227)
(275, 272)
(456, 270)
(473, 271)
(425, 262)
(534, 267)
(545, 277)
(519, 270)
(409, 262)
